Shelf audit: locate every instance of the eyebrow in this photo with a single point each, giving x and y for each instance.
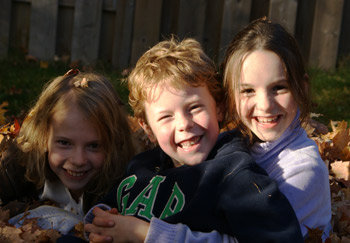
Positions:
(276, 81)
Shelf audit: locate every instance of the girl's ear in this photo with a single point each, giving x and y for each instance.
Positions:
(306, 83)
(147, 129)
(220, 113)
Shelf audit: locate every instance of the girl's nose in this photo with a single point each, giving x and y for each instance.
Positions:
(78, 157)
(184, 122)
(264, 102)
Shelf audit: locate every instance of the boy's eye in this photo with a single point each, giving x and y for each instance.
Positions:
(162, 118)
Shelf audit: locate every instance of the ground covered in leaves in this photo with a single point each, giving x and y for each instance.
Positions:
(334, 147)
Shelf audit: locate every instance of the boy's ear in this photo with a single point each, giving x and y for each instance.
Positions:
(147, 129)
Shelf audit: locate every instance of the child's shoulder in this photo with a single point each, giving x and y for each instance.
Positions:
(149, 158)
(303, 151)
(231, 141)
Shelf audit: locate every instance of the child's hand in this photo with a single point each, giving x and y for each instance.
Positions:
(108, 226)
(100, 222)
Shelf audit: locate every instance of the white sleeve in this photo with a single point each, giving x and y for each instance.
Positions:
(162, 232)
(306, 185)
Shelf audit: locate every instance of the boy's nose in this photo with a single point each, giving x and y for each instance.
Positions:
(184, 122)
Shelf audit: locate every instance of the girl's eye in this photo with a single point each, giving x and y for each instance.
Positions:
(63, 142)
(94, 146)
(247, 92)
(195, 107)
(280, 88)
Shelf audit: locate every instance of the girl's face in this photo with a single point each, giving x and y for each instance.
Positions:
(74, 149)
(184, 122)
(264, 102)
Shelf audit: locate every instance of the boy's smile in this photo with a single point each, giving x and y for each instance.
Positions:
(183, 122)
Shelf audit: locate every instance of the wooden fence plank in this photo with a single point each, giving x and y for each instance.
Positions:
(236, 16)
(211, 35)
(124, 19)
(344, 43)
(304, 25)
(169, 21)
(86, 31)
(191, 19)
(285, 12)
(64, 31)
(260, 8)
(109, 5)
(325, 35)
(5, 19)
(67, 3)
(20, 23)
(43, 22)
(146, 27)
(106, 35)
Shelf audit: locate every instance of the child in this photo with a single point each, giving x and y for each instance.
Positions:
(75, 141)
(268, 96)
(190, 178)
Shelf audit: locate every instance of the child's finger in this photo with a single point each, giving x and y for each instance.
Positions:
(103, 222)
(93, 237)
(114, 211)
(98, 211)
(90, 228)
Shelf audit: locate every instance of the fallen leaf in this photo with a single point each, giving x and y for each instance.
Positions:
(2, 113)
(341, 170)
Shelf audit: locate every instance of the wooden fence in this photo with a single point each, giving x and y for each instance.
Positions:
(119, 31)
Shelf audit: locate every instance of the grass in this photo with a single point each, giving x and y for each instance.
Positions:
(331, 93)
(22, 81)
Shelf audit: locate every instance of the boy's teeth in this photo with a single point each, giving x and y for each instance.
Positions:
(72, 173)
(188, 144)
(267, 119)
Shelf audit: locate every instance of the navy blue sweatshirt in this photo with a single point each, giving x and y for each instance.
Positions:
(228, 192)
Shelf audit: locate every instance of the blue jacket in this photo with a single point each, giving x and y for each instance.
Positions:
(228, 192)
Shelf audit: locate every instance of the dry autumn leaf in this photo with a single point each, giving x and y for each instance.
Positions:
(341, 171)
(2, 113)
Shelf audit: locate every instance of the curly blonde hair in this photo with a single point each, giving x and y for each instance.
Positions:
(97, 99)
(172, 63)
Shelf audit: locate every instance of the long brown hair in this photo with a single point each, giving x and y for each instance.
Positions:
(98, 100)
(263, 34)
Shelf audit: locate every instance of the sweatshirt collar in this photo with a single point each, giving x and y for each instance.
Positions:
(264, 150)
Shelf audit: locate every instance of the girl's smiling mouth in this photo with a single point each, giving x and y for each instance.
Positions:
(267, 120)
(75, 173)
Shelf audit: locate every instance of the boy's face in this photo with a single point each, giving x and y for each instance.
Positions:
(184, 122)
